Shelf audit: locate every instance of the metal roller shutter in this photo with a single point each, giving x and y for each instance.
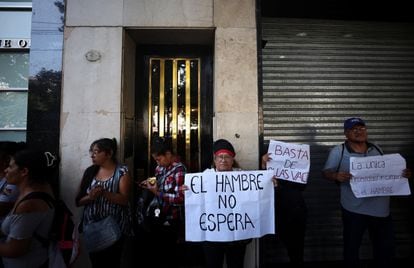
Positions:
(315, 74)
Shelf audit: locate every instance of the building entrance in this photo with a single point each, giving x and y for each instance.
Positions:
(173, 100)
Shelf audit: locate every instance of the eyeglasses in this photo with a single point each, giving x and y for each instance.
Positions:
(223, 157)
(356, 129)
(94, 152)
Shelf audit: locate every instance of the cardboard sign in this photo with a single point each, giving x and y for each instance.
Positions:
(378, 176)
(289, 161)
(229, 206)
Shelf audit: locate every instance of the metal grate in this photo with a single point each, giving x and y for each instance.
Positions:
(316, 73)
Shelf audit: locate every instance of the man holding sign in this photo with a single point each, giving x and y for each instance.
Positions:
(290, 163)
(360, 210)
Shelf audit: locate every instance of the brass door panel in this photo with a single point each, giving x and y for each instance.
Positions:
(174, 106)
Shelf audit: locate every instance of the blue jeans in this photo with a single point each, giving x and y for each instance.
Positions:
(380, 232)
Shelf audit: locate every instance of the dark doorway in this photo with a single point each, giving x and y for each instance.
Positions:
(173, 100)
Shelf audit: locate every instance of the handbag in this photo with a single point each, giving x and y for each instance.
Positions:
(101, 234)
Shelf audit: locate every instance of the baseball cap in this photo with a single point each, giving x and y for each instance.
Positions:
(353, 121)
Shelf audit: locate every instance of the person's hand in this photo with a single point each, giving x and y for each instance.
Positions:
(183, 188)
(343, 176)
(266, 157)
(274, 180)
(96, 192)
(150, 185)
(407, 173)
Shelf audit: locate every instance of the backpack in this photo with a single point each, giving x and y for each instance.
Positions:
(343, 149)
(63, 232)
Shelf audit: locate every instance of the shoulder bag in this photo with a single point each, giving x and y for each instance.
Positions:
(101, 234)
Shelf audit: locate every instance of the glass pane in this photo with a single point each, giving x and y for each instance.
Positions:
(155, 92)
(168, 98)
(194, 117)
(14, 70)
(11, 135)
(175, 109)
(15, 24)
(13, 110)
(181, 116)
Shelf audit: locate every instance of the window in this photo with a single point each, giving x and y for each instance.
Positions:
(14, 68)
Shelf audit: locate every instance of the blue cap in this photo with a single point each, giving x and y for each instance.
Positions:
(351, 122)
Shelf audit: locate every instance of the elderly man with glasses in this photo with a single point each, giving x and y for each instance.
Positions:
(360, 214)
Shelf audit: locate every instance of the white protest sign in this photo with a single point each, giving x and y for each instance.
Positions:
(378, 176)
(289, 161)
(228, 206)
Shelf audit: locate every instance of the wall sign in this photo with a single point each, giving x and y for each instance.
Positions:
(15, 43)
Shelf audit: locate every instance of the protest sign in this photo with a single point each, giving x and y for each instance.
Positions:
(378, 176)
(289, 161)
(229, 206)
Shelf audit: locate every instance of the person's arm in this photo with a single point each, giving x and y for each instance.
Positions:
(339, 176)
(265, 159)
(407, 173)
(331, 170)
(90, 197)
(173, 195)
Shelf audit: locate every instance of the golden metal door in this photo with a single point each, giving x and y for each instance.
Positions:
(174, 106)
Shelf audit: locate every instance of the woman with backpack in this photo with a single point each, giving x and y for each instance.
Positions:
(8, 192)
(28, 219)
(166, 209)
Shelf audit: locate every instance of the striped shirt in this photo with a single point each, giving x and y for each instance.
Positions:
(102, 207)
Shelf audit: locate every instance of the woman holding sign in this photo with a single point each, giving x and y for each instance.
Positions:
(235, 250)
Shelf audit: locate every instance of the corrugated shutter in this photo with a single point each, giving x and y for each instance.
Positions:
(317, 73)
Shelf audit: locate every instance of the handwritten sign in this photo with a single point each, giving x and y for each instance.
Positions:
(228, 206)
(289, 161)
(378, 176)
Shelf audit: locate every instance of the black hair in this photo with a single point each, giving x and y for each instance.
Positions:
(107, 145)
(9, 148)
(104, 144)
(161, 146)
(41, 165)
(87, 178)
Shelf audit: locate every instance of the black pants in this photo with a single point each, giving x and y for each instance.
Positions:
(380, 231)
(291, 214)
(109, 257)
(234, 251)
(164, 242)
